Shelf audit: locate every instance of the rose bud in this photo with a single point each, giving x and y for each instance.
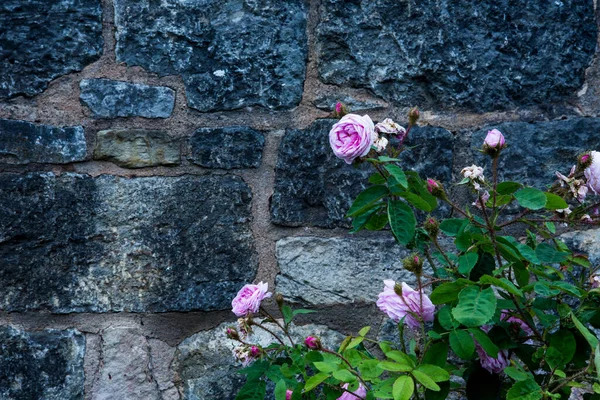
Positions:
(413, 115)
(585, 160)
(288, 394)
(435, 188)
(340, 110)
(255, 351)
(312, 343)
(493, 143)
(232, 334)
(432, 226)
(279, 300)
(413, 263)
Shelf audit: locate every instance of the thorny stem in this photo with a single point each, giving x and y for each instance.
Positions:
(439, 248)
(270, 331)
(490, 229)
(345, 390)
(495, 178)
(284, 329)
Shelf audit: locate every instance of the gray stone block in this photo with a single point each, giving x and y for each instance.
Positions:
(313, 187)
(137, 148)
(208, 369)
(112, 99)
(73, 243)
(536, 150)
(326, 271)
(228, 148)
(41, 40)
(231, 54)
(44, 364)
(472, 54)
(22, 142)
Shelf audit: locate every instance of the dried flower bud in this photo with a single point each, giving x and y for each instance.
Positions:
(414, 264)
(413, 115)
(279, 300)
(312, 342)
(232, 333)
(584, 161)
(432, 226)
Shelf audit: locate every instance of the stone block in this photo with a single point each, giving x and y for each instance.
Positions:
(228, 148)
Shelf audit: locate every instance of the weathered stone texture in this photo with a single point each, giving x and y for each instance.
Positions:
(338, 270)
(128, 369)
(41, 40)
(45, 364)
(228, 148)
(231, 54)
(328, 103)
(536, 150)
(112, 99)
(473, 54)
(587, 242)
(22, 142)
(313, 187)
(208, 370)
(73, 243)
(137, 148)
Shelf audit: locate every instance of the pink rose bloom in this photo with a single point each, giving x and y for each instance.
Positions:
(361, 391)
(493, 365)
(248, 299)
(505, 316)
(494, 139)
(288, 394)
(592, 173)
(352, 137)
(408, 305)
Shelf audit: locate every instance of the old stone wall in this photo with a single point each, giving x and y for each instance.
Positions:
(157, 155)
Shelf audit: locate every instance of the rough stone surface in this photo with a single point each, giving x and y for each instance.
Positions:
(41, 40)
(471, 54)
(73, 243)
(328, 103)
(536, 150)
(587, 242)
(329, 271)
(206, 366)
(231, 54)
(111, 99)
(22, 142)
(45, 364)
(162, 358)
(313, 187)
(230, 147)
(137, 148)
(128, 369)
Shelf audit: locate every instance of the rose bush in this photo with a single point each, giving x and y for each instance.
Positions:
(491, 316)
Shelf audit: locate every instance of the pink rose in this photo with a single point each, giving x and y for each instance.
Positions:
(391, 128)
(288, 394)
(361, 391)
(415, 306)
(493, 365)
(352, 137)
(432, 185)
(592, 173)
(494, 139)
(248, 299)
(505, 316)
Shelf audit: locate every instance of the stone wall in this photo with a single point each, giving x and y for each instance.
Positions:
(157, 155)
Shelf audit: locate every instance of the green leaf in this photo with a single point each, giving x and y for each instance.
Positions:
(508, 187)
(446, 320)
(327, 367)
(398, 174)
(364, 331)
(597, 360)
(402, 221)
(403, 388)
(549, 255)
(543, 289)
(551, 227)
(466, 262)
(568, 288)
(369, 369)
(446, 292)
(366, 199)
(462, 344)
(280, 389)
(554, 358)
(486, 343)
(385, 159)
(252, 390)
(554, 202)
(416, 201)
(377, 221)
(436, 354)
(531, 198)
(355, 342)
(436, 373)
(452, 226)
(502, 283)
(376, 179)
(400, 357)
(475, 307)
(425, 380)
(303, 311)
(564, 341)
(525, 390)
(344, 375)
(394, 366)
(315, 381)
(591, 339)
(287, 313)
(516, 374)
